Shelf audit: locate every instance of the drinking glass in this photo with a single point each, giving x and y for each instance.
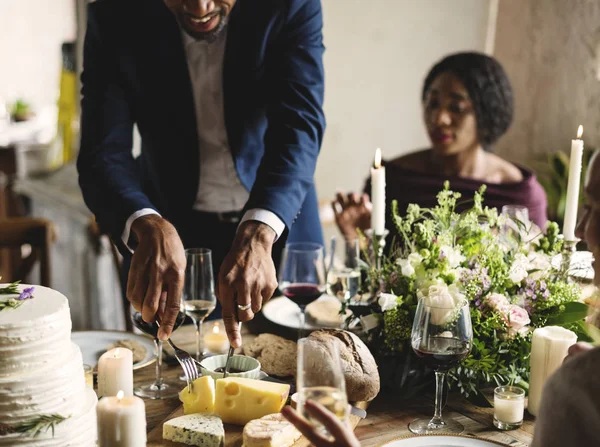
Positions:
(442, 336)
(517, 225)
(160, 388)
(343, 276)
(321, 379)
(302, 275)
(199, 299)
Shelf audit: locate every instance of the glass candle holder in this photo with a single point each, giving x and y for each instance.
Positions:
(215, 338)
(509, 407)
(88, 372)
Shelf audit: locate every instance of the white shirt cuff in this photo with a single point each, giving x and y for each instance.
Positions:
(267, 217)
(132, 218)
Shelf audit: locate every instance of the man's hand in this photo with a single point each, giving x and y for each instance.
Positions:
(156, 273)
(246, 275)
(578, 348)
(342, 435)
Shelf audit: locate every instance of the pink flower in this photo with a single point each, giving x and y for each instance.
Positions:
(515, 317)
(497, 301)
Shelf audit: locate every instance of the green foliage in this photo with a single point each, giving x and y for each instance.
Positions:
(473, 254)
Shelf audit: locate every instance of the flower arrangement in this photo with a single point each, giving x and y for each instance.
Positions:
(501, 266)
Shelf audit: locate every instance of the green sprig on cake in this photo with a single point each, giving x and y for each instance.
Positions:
(34, 426)
(12, 289)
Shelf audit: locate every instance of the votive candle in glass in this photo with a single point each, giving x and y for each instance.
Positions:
(509, 407)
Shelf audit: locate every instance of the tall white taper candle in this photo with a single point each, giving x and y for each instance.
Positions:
(572, 202)
(378, 195)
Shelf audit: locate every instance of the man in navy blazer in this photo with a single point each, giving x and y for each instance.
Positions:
(227, 96)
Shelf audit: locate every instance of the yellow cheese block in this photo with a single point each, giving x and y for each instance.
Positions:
(240, 400)
(202, 397)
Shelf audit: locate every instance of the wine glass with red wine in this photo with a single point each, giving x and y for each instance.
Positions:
(159, 388)
(302, 275)
(442, 337)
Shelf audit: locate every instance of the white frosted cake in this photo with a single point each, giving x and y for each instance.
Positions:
(41, 373)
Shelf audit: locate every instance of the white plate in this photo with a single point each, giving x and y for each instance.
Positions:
(94, 343)
(442, 441)
(285, 312)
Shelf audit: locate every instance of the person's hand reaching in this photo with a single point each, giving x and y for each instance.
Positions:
(342, 435)
(351, 212)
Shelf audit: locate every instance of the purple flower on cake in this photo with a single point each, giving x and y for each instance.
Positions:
(26, 294)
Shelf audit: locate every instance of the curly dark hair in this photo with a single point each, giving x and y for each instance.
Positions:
(489, 89)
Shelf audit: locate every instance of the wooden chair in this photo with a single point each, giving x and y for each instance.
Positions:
(37, 233)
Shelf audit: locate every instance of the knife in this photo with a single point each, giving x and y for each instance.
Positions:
(231, 348)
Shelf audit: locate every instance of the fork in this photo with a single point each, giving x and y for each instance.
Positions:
(187, 362)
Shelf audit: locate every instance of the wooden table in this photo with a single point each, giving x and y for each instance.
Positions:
(387, 418)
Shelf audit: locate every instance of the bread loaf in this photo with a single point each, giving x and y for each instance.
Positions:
(276, 355)
(360, 369)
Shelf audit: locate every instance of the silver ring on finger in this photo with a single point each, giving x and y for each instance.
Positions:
(244, 307)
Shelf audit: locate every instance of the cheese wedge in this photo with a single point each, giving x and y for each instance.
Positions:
(272, 430)
(241, 400)
(202, 397)
(195, 429)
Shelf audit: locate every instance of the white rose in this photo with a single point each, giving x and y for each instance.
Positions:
(415, 259)
(387, 301)
(453, 255)
(538, 261)
(442, 300)
(518, 269)
(406, 267)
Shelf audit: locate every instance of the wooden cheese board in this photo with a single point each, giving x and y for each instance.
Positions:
(233, 433)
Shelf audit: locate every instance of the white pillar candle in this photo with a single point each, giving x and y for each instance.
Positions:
(378, 195)
(115, 372)
(549, 347)
(216, 340)
(572, 202)
(121, 421)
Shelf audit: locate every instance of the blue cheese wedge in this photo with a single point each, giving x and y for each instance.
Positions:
(195, 429)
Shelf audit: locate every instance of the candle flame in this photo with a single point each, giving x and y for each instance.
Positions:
(377, 163)
(216, 328)
(579, 131)
(116, 354)
(120, 395)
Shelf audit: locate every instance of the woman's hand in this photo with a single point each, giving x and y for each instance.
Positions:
(342, 435)
(351, 212)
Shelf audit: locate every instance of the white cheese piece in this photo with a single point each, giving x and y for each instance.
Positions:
(195, 429)
(272, 430)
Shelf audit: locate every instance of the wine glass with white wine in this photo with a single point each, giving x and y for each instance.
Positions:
(321, 379)
(199, 299)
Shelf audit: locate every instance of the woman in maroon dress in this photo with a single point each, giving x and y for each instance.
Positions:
(467, 107)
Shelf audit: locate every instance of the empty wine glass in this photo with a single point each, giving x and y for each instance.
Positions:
(302, 275)
(442, 337)
(160, 388)
(199, 299)
(321, 379)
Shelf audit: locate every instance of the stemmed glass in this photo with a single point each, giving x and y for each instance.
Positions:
(199, 299)
(343, 276)
(160, 388)
(320, 379)
(442, 336)
(302, 275)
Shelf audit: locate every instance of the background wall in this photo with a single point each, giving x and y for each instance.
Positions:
(551, 51)
(378, 53)
(31, 33)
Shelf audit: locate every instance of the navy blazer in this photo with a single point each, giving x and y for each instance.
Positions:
(135, 72)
